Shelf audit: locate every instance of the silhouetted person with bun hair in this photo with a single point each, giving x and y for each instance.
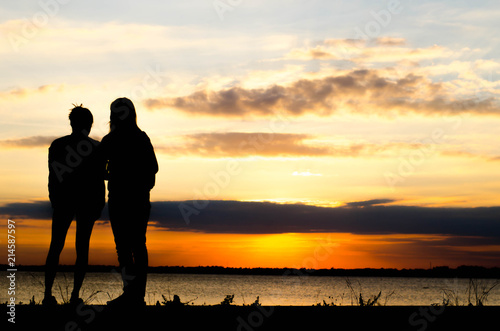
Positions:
(76, 190)
(131, 167)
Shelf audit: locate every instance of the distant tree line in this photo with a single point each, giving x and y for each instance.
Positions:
(435, 272)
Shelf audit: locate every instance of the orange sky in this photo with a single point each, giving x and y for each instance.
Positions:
(298, 250)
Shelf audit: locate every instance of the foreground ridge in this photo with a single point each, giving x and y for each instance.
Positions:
(94, 317)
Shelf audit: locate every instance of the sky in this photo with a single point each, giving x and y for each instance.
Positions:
(316, 134)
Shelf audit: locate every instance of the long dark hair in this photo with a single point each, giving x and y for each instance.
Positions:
(123, 115)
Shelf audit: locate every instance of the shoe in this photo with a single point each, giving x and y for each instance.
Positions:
(127, 300)
(117, 301)
(75, 301)
(49, 301)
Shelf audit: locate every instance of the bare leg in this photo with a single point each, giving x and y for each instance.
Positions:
(84, 227)
(61, 220)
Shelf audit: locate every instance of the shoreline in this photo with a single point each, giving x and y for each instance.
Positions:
(192, 317)
(435, 272)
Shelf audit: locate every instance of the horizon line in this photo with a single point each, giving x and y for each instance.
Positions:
(432, 268)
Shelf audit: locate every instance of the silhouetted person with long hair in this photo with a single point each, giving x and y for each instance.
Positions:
(131, 166)
(76, 190)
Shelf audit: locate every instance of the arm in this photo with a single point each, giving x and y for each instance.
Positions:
(151, 164)
(51, 174)
(57, 171)
(102, 157)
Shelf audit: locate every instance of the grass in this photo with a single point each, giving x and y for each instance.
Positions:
(373, 300)
(228, 300)
(477, 293)
(64, 292)
(256, 303)
(357, 298)
(176, 301)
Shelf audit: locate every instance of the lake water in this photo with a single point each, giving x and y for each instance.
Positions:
(272, 290)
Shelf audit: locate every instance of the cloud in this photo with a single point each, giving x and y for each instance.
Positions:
(402, 89)
(382, 49)
(264, 217)
(391, 53)
(367, 91)
(29, 92)
(243, 144)
(32, 142)
(366, 217)
(369, 203)
(37, 210)
(240, 144)
(248, 144)
(67, 33)
(315, 53)
(390, 41)
(28, 142)
(33, 210)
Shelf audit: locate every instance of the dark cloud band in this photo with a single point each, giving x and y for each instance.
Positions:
(361, 217)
